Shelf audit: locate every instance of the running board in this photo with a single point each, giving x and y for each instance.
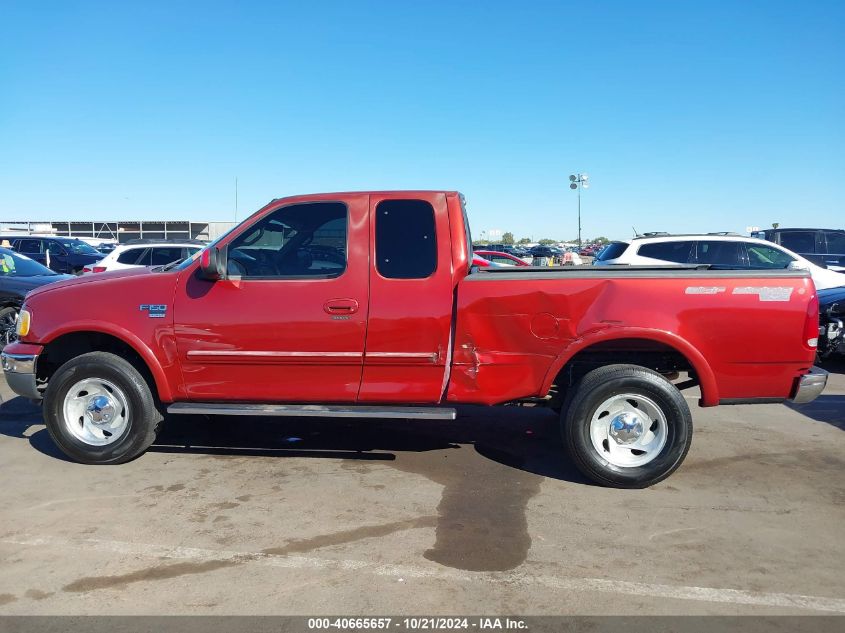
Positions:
(312, 411)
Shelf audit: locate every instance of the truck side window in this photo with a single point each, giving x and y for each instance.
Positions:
(799, 241)
(299, 240)
(406, 245)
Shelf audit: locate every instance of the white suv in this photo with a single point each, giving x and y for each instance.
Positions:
(143, 254)
(717, 249)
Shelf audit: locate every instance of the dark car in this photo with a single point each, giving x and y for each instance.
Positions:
(831, 318)
(824, 247)
(61, 254)
(18, 275)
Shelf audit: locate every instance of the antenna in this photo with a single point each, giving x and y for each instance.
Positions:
(635, 232)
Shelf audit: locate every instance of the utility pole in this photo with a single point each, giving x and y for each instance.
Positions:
(579, 181)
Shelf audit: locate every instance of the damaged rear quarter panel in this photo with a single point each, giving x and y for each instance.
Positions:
(512, 336)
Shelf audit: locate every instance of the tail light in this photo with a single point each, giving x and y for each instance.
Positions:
(811, 323)
(102, 269)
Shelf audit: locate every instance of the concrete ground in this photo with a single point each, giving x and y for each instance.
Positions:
(484, 515)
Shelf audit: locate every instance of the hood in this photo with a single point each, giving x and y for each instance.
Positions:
(22, 284)
(830, 296)
(70, 280)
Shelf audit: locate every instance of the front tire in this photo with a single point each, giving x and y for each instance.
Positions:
(626, 426)
(99, 409)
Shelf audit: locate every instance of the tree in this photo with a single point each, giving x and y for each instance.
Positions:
(775, 225)
(507, 238)
(524, 240)
(546, 241)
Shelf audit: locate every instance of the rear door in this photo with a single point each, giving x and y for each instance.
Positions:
(721, 253)
(411, 294)
(32, 248)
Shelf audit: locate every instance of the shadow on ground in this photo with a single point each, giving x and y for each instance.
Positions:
(825, 408)
(489, 462)
(522, 438)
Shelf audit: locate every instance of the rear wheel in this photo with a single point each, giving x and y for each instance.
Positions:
(99, 409)
(626, 426)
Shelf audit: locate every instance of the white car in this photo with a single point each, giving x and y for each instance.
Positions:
(717, 249)
(143, 254)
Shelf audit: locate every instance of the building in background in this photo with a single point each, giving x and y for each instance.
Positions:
(121, 230)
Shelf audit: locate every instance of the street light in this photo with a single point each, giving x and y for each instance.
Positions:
(579, 181)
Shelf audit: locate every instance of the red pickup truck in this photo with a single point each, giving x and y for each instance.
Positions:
(367, 305)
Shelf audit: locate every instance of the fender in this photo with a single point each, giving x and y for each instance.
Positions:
(706, 378)
(159, 376)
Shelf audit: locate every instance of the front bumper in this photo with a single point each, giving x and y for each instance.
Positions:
(810, 386)
(20, 373)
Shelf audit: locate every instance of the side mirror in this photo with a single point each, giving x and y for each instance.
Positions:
(796, 265)
(212, 264)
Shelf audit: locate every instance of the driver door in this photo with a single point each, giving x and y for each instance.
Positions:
(288, 322)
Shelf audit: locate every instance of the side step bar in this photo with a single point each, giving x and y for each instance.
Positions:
(312, 410)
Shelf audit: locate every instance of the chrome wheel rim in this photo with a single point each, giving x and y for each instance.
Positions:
(96, 411)
(628, 430)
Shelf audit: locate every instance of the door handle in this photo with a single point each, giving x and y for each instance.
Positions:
(341, 306)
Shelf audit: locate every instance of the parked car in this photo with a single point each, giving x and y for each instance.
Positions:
(823, 247)
(831, 320)
(477, 260)
(719, 251)
(407, 328)
(18, 275)
(147, 253)
(61, 254)
(501, 258)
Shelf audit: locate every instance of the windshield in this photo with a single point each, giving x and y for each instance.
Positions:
(79, 247)
(14, 264)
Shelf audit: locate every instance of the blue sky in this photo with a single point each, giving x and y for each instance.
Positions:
(688, 116)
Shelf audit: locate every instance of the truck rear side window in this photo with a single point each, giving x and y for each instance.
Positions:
(406, 246)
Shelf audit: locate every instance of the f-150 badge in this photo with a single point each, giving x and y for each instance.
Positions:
(155, 310)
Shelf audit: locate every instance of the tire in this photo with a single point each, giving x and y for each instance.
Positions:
(99, 409)
(8, 319)
(626, 426)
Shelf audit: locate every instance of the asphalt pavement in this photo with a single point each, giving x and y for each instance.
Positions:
(483, 515)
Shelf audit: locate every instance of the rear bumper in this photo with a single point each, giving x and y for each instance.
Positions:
(19, 370)
(810, 386)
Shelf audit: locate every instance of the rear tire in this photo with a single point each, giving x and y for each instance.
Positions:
(99, 409)
(626, 426)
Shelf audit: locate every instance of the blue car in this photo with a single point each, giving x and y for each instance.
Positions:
(61, 254)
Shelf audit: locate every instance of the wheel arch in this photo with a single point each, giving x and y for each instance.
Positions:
(65, 344)
(637, 340)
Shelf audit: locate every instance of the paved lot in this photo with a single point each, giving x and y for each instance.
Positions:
(483, 515)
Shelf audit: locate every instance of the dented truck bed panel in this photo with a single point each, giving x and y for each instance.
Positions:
(741, 331)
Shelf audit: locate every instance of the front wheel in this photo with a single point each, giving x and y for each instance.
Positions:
(626, 426)
(99, 409)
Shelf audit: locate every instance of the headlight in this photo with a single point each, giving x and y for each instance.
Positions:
(24, 320)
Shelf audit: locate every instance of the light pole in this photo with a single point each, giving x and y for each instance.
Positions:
(579, 181)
